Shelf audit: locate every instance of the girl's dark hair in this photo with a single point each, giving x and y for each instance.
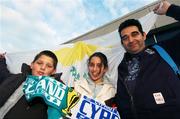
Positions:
(49, 54)
(101, 56)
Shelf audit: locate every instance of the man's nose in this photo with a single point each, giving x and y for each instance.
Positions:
(130, 39)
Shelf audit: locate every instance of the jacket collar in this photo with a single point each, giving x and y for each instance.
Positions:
(147, 51)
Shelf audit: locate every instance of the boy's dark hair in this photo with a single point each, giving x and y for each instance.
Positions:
(101, 56)
(130, 22)
(49, 54)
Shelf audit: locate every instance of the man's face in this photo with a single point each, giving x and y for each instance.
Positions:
(132, 39)
(43, 66)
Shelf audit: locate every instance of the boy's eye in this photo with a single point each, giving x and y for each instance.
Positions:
(49, 66)
(39, 63)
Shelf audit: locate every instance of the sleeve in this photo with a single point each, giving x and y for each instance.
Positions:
(172, 47)
(174, 12)
(111, 102)
(8, 87)
(4, 72)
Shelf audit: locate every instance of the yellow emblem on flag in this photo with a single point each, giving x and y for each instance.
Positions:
(68, 56)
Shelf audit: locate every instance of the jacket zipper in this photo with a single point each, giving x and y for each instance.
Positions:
(132, 102)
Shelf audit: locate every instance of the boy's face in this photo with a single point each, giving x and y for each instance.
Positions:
(132, 39)
(43, 66)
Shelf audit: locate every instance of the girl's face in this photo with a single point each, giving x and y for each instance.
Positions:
(43, 66)
(96, 69)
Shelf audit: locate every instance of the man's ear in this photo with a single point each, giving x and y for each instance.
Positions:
(144, 35)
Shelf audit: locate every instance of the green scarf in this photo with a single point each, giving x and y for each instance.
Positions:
(56, 95)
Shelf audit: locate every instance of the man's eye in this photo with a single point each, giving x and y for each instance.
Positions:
(124, 38)
(134, 34)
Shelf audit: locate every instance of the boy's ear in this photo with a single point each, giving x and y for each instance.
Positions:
(54, 71)
(31, 65)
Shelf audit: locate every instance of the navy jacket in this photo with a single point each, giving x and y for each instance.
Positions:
(172, 46)
(173, 11)
(35, 109)
(4, 72)
(155, 76)
(22, 109)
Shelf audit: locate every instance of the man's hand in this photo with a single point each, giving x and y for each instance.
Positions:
(162, 7)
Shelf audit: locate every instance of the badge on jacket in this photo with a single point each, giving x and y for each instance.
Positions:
(158, 97)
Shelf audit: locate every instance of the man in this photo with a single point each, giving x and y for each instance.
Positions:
(147, 86)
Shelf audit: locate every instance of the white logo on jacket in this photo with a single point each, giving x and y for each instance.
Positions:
(158, 97)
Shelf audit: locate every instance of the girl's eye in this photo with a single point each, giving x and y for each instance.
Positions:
(91, 65)
(99, 65)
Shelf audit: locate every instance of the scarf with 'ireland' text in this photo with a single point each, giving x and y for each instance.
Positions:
(56, 95)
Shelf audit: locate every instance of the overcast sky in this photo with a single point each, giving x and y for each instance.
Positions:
(33, 24)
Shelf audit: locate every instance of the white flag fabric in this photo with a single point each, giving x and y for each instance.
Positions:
(73, 57)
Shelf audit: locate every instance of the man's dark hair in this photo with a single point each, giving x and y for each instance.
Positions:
(49, 54)
(130, 22)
